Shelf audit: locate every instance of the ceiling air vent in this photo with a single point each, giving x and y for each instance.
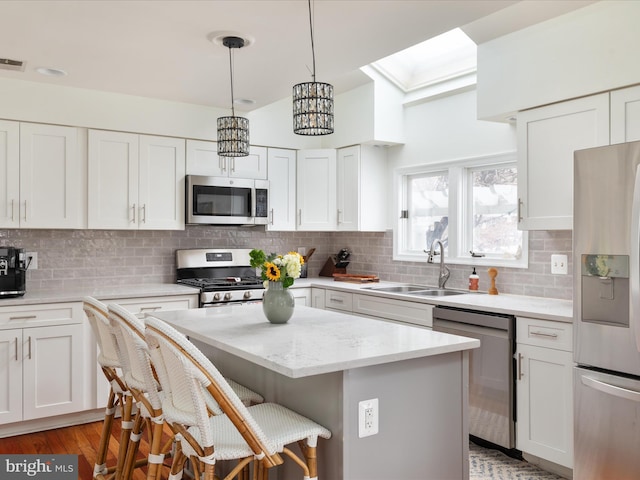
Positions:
(8, 64)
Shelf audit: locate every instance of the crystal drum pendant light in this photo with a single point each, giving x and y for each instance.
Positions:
(233, 132)
(313, 101)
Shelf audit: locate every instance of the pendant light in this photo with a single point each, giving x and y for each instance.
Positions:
(312, 101)
(233, 132)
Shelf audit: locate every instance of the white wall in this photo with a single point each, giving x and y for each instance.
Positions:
(587, 51)
(447, 129)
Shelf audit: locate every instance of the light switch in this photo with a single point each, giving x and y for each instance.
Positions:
(559, 264)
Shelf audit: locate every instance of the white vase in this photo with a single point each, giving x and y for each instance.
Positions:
(278, 303)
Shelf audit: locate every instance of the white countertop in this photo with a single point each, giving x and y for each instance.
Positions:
(518, 305)
(313, 341)
(101, 293)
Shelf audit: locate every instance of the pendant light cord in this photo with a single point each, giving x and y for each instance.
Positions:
(313, 50)
(233, 113)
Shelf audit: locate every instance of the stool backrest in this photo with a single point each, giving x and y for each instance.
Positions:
(97, 315)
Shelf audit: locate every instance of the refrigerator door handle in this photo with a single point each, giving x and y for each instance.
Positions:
(634, 253)
(610, 389)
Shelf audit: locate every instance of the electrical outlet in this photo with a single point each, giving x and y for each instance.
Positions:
(559, 264)
(32, 260)
(368, 417)
(302, 251)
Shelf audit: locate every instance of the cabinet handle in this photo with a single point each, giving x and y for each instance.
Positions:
(29, 347)
(543, 334)
(233, 165)
(300, 216)
(150, 309)
(339, 212)
(23, 317)
(16, 349)
(223, 164)
(133, 209)
(336, 300)
(25, 210)
(143, 216)
(12, 211)
(520, 203)
(271, 217)
(520, 357)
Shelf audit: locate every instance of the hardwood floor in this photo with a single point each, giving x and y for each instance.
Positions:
(82, 440)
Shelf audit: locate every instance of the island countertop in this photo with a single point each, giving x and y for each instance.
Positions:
(313, 341)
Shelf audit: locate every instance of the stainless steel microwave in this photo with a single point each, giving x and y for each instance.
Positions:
(226, 201)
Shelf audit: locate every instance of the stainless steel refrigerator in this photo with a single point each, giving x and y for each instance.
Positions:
(606, 294)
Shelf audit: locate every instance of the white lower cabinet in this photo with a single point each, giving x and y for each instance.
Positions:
(544, 389)
(318, 298)
(415, 313)
(42, 359)
(302, 296)
(337, 300)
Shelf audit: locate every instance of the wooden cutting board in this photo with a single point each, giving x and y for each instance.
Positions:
(354, 278)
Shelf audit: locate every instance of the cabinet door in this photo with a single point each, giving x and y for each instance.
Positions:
(545, 404)
(282, 189)
(10, 177)
(203, 159)
(253, 165)
(316, 189)
(51, 177)
(625, 115)
(317, 298)
(10, 376)
(53, 370)
(113, 180)
(547, 138)
(348, 188)
(161, 183)
(302, 296)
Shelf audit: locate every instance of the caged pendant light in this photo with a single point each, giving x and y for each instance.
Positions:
(312, 101)
(233, 132)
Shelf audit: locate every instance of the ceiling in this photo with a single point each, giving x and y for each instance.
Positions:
(161, 49)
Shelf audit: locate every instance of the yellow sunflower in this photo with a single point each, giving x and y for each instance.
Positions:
(272, 271)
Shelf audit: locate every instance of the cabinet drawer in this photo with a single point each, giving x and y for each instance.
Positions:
(40, 315)
(339, 301)
(139, 306)
(390, 309)
(545, 333)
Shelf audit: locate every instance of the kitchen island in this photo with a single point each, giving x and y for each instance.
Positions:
(323, 364)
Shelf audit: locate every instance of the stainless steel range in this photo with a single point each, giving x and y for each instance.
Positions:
(223, 276)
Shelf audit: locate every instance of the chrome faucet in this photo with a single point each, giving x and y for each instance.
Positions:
(444, 271)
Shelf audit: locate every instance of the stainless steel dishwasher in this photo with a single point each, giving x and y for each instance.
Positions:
(491, 367)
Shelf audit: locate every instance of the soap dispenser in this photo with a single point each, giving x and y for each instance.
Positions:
(474, 281)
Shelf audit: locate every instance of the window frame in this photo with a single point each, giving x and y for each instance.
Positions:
(460, 211)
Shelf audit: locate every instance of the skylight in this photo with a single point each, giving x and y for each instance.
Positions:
(433, 61)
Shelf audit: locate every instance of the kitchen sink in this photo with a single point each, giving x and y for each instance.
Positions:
(399, 289)
(436, 293)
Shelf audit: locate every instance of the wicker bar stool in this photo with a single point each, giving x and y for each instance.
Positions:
(119, 394)
(257, 434)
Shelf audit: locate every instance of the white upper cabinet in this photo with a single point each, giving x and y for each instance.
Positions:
(625, 115)
(361, 188)
(203, 159)
(282, 189)
(135, 181)
(547, 138)
(316, 190)
(43, 185)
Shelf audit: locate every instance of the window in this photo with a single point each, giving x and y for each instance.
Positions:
(470, 205)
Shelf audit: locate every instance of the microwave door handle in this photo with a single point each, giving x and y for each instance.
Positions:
(634, 254)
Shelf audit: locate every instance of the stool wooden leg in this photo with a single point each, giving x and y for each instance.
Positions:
(100, 467)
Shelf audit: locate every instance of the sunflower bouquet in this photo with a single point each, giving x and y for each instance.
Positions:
(277, 268)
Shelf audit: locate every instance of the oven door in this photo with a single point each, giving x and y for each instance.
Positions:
(220, 200)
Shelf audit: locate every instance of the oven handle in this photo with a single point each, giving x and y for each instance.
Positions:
(228, 304)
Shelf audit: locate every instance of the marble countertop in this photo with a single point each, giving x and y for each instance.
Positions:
(313, 341)
(518, 305)
(101, 293)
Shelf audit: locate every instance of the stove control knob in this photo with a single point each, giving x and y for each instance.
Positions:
(247, 294)
(216, 297)
(227, 296)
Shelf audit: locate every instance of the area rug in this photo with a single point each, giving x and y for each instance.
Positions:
(489, 464)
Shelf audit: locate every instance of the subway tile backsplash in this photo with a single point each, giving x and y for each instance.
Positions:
(70, 258)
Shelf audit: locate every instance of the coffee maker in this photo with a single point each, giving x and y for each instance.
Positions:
(13, 271)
